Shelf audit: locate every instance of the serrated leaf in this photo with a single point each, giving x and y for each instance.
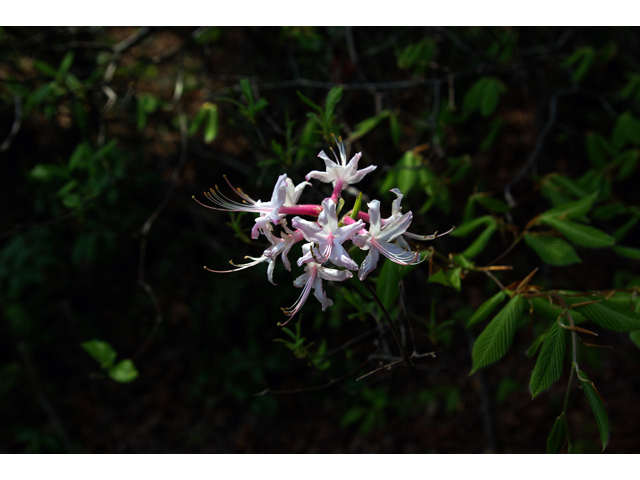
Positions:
(123, 371)
(495, 340)
(628, 252)
(559, 435)
(549, 364)
(571, 210)
(551, 312)
(486, 308)
(101, 352)
(552, 250)
(580, 234)
(387, 288)
(607, 314)
(598, 408)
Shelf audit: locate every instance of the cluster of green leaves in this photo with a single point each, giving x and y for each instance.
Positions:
(102, 352)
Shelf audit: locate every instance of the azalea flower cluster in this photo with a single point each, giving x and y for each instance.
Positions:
(324, 237)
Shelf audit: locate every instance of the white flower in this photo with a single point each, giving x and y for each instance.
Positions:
(328, 236)
(378, 240)
(340, 173)
(312, 277)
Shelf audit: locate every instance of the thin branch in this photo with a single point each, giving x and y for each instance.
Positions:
(144, 231)
(15, 128)
(553, 106)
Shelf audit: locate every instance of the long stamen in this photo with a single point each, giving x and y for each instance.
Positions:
(243, 195)
(295, 308)
(255, 262)
(407, 257)
(427, 237)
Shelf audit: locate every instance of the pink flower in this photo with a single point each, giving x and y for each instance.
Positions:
(340, 173)
(282, 203)
(328, 236)
(312, 277)
(378, 240)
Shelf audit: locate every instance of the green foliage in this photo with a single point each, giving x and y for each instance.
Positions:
(450, 278)
(597, 406)
(387, 288)
(494, 341)
(552, 250)
(486, 308)
(103, 353)
(606, 313)
(559, 435)
(549, 365)
(483, 96)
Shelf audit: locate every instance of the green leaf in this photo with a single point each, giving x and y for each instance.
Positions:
(481, 241)
(198, 120)
(490, 96)
(626, 130)
(353, 415)
(571, 210)
(333, 97)
(245, 86)
(599, 150)
(628, 161)
(211, 127)
(628, 252)
(549, 365)
(407, 171)
(123, 371)
(494, 204)
(309, 102)
(467, 227)
(597, 406)
(489, 140)
(100, 351)
(474, 95)
(580, 234)
(65, 65)
(495, 340)
(552, 250)
(607, 314)
(486, 308)
(387, 288)
(366, 126)
(543, 307)
(450, 278)
(559, 435)
(635, 337)
(356, 206)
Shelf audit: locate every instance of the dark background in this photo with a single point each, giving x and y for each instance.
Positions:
(100, 238)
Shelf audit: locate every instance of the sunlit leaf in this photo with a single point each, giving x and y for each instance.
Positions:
(100, 351)
(552, 250)
(123, 371)
(580, 234)
(495, 340)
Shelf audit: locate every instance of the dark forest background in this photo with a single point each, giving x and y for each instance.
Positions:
(107, 133)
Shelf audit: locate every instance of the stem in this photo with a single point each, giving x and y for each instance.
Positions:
(389, 321)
